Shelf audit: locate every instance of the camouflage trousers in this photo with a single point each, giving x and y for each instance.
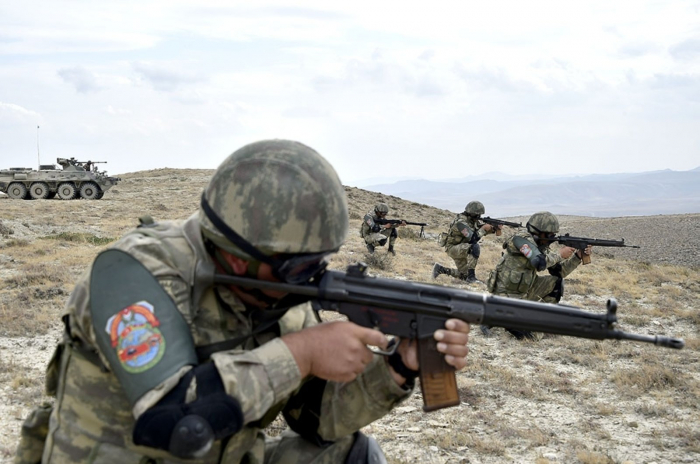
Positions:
(540, 290)
(461, 255)
(290, 448)
(376, 238)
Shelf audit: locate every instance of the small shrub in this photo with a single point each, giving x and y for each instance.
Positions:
(380, 259)
(79, 238)
(17, 242)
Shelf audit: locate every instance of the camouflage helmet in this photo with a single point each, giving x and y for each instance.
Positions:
(381, 208)
(280, 196)
(543, 221)
(475, 207)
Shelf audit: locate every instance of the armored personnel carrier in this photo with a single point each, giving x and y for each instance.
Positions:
(75, 179)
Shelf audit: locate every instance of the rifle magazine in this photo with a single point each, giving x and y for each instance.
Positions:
(438, 382)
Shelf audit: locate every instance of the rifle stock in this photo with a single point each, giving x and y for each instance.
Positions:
(415, 311)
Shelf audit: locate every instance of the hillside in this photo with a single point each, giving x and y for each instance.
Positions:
(557, 400)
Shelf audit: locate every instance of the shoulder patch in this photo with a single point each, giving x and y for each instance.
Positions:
(135, 336)
(526, 250)
(465, 232)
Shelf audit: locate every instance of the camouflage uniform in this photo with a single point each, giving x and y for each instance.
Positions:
(462, 244)
(374, 234)
(516, 276)
(93, 420)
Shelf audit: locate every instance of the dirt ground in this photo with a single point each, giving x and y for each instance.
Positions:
(556, 400)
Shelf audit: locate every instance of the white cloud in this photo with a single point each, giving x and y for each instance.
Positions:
(436, 89)
(166, 77)
(83, 80)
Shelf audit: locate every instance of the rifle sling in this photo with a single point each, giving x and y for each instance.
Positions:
(204, 352)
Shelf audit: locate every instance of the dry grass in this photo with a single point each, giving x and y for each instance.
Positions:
(555, 400)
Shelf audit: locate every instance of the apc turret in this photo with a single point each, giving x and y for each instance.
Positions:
(75, 179)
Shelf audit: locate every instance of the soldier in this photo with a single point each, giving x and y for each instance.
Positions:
(527, 253)
(193, 372)
(462, 243)
(377, 234)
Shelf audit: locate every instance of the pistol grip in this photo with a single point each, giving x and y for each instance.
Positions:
(438, 382)
(498, 232)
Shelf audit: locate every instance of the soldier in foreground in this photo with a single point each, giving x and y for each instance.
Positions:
(194, 373)
(378, 234)
(462, 243)
(525, 254)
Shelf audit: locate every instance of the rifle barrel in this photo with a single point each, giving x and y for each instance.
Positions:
(381, 302)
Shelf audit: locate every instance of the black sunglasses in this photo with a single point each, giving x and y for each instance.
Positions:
(290, 268)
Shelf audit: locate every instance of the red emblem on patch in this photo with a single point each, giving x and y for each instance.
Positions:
(526, 250)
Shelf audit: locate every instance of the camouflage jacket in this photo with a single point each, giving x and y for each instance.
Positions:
(93, 420)
(368, 224)
(464, 230)
(519, 263)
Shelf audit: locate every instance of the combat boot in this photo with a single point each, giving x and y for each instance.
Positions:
(438, 269)
(370, 248)
(391, 250)
(471, 276)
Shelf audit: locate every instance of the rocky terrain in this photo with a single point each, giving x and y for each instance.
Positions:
(555, 400)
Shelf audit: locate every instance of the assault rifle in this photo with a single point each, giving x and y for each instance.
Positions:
(415, 311)
(399, 221)
(497, 222)
(580, 243)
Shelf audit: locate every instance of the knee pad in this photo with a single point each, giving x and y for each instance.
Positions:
(475, 250)
(188, 430)
(382, 242)
(394, 233)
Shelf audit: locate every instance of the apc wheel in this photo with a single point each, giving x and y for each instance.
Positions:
(17, 191)
(66, 191)
(90, 191)
(99, 195)
(39, 190)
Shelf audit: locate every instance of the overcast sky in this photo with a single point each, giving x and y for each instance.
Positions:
(399, 89)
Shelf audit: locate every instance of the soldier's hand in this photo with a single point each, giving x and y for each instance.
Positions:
(403, 223)
(566, 252)
(487, 227)
(335, 351)
(452, 342)
(587, 251)
(388, 226)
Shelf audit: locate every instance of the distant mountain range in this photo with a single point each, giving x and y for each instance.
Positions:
(602, 195)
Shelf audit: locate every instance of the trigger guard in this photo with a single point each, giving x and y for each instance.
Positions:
(390, 349)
